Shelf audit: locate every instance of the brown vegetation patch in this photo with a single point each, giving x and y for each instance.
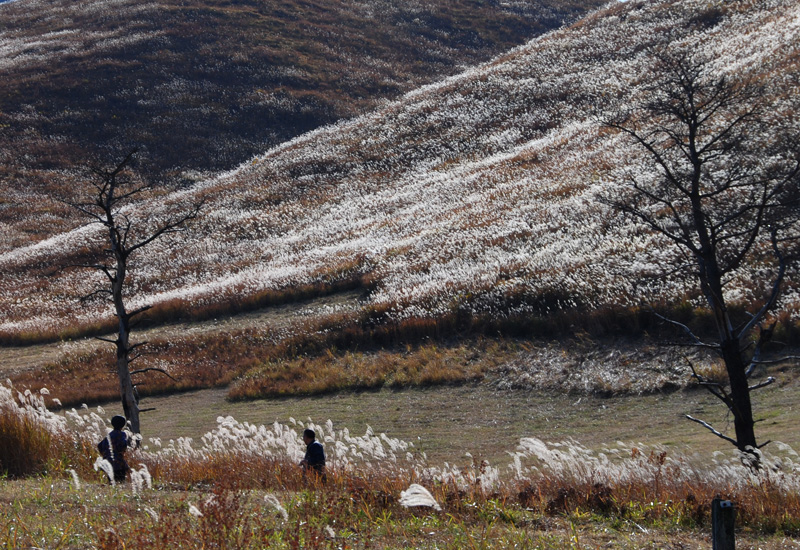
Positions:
(423, 365)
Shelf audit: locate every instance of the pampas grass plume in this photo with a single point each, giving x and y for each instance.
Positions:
(152, 513)
(103, 464)
(140, 479)
(273, 501)
(195, 511)
(76, 482)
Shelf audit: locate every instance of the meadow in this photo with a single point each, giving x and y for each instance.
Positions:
(507, 469)
(522, 442)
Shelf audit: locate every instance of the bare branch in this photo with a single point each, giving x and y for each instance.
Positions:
(138, 311)
(98, 292)
(97, 267)
(162, 371)
(168, 227)
(716, 389)
(764, 337)
(648, 145)
(137, 346)
(776, 287)
(107, 176)
(712, 430)
(778, 360)
(687, 330)
(763, 384)
(86, 209)
(135, 190)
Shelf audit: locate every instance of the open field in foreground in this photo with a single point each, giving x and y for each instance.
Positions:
(58, 514)
(222, 494)
(630, 473)
(448, 422)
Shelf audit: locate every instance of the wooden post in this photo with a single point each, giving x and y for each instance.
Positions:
(723, 517)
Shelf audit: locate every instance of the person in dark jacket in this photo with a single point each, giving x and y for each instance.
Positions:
(315, 455)
(113, 448)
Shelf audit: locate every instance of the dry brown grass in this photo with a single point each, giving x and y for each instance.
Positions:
(333, 371)
(360, 509)
(24, 444)
(353, 349)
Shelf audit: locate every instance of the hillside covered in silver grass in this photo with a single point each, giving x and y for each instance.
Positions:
(477, 193)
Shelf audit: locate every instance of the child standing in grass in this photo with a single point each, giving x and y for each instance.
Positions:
(315, 454)
(113, 448)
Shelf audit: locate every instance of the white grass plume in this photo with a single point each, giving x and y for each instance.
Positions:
(417, 495)
(103, 464)
(76, 482)
(152, 513)
(195, 511)
(274, 503)
(140, 479)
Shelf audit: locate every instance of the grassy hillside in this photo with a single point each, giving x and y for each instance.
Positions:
(201, 86)
(477, 195)
(468, 207)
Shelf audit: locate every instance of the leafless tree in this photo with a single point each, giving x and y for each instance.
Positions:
(722, 185)
(109, 203)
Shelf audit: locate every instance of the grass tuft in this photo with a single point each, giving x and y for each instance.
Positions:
(24, 444)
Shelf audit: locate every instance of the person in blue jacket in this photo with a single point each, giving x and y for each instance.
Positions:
(113, 448)
(314, 459)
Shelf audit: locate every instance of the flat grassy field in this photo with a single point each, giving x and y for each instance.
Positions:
(251, 501)
(448, 422)
(242, 502)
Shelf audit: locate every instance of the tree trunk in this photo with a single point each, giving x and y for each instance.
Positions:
(740, 395)
(731, 352)
(103, 208)
(130, 406)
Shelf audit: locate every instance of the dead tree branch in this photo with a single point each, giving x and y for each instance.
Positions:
(162, 371)
(712, 429)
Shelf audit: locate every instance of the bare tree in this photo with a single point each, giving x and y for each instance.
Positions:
(110, 205)
(722, 185)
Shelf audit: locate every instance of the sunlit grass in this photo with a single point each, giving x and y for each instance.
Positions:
(475, 196)
(322, 348)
